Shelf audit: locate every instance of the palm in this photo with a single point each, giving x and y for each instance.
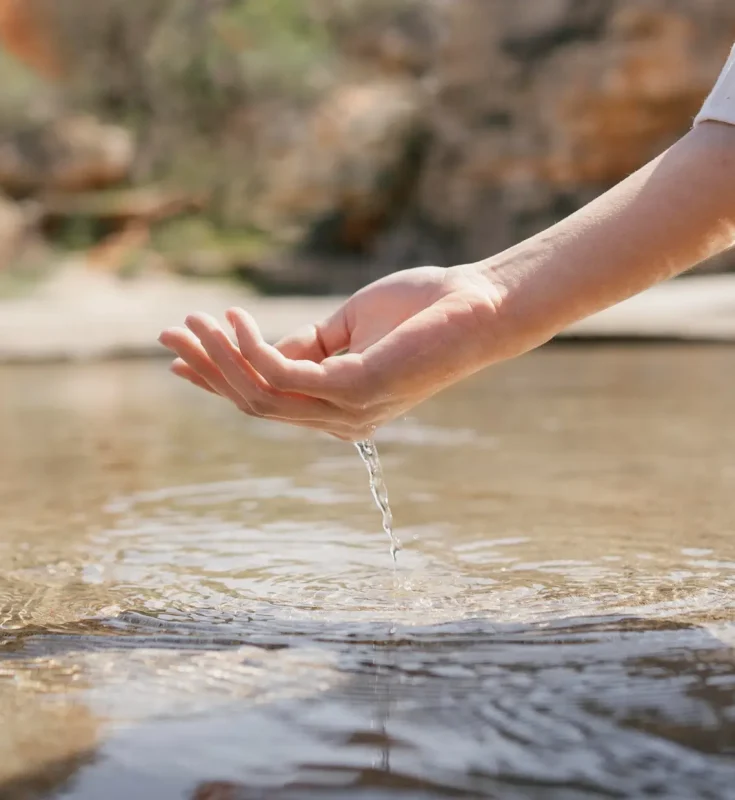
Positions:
(406, 336)
(381, 307)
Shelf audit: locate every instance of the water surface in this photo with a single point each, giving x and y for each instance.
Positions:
(195, 605)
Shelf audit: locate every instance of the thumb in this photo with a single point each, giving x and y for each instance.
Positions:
(317, 341)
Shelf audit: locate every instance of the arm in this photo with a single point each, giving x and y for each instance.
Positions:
(415, 332)
(662, 220)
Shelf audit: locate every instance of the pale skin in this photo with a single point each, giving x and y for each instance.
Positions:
(406, 337)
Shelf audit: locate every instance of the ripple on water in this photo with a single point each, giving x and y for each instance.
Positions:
(559, 624)
(466, 706)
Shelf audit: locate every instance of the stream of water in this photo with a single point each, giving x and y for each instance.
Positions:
(369, 454)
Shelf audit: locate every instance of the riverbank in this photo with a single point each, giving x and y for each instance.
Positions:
(85, 315)
(81, 314)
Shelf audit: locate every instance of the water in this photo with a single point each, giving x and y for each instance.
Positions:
(194, 606)
(369, 454)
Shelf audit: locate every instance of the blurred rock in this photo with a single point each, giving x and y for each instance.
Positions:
(540, 107)
(394, 37)
(514, 117)
(433, 131)
(355, 164)
(68, 154)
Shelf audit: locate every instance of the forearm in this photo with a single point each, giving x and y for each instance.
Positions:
(659, 222)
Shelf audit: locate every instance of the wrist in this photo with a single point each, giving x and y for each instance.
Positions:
(523, 278)
(502, 301)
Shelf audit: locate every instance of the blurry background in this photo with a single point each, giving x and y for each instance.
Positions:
(311, 145)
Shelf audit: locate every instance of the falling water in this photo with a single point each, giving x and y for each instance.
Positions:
(369, 454)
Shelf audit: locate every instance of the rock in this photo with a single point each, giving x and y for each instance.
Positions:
(340, 185)
(539, 107)
(72, 153)
(517, 115)
(446, 131)
(392, 37)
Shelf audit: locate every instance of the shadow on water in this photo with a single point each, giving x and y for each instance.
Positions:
(570, 708)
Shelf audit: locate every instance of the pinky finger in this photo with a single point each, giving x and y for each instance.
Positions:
(180, 368)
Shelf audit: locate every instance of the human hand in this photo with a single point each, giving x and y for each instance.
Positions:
(392, 345)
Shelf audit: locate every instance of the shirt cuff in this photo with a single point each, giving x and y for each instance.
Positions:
(720, 105)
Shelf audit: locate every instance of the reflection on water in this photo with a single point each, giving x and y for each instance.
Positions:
(193, 605)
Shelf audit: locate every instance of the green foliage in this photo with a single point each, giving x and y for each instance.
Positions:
(189, 234)
(19, 86)
(277, 43)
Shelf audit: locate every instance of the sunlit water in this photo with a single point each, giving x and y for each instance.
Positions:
(194, 605)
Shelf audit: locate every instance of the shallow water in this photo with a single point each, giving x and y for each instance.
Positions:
(194, 605)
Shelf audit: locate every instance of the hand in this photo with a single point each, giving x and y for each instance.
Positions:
(392, 345)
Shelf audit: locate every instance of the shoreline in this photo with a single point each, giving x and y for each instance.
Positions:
(83, 315)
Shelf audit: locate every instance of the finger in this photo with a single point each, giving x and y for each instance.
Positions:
(195, 365)
(317, 341)
(342, 432)
(335, 384)
(188, 348)
(183, 370)
(260, 395)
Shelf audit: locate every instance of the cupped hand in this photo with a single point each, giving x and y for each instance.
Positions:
(392, 345)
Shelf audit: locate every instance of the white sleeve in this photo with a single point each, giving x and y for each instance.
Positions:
(720, 105)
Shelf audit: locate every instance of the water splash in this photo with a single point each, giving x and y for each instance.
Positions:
(369, 454)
